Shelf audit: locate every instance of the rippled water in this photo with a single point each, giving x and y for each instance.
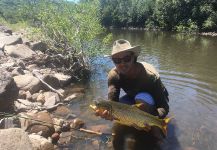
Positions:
(188, 68)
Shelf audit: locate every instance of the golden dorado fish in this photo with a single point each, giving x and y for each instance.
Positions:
(131, 116)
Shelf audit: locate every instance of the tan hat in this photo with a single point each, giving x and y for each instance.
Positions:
(122, 45)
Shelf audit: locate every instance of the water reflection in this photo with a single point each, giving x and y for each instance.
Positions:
(188, 68)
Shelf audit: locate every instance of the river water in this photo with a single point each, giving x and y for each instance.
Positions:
(188, 67)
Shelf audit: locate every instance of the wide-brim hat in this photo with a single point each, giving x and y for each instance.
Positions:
(122, 45)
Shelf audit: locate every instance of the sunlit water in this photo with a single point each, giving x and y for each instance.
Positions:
(188, 67)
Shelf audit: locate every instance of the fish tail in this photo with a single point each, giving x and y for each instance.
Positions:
(165, 123)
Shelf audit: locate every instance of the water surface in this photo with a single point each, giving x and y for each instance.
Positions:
(188, 67)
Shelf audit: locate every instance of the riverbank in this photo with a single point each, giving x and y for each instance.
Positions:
(34, 103)
(213, 34)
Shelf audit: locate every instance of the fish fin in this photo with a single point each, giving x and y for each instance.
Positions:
(116, 119)
(138, 105)
(93, 107)
(147, 127)
(165, 123)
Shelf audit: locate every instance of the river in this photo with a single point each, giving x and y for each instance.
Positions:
(188, 67)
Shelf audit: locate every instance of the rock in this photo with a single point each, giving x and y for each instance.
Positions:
(62, 111)
(46, 128)
(57, 124)
(65, 127)
(24, 105)
(8, 65)
(55, 137)
(28, 96)
(95, 145)
(41, 98)
(38, 46)
(10, 40)
(4, 34)
(32, 67)
(40, 143)
(49, 99)
(5, 29)
(52, 81)
(100, 128)
(65, 137)
(8, 91)
(77, 123)
(17, 71)
(9, 122)
(50, 102)
(21, 64)
(48, 95)
(18, 51)
(28, 83)
(71, 97)
(35, 96)
(1, 53)
(64, 80)
(14, 139)
(22, 94)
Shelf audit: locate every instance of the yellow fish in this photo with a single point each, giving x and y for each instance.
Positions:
(130, 116)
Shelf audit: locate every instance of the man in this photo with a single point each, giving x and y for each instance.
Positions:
(140, 82)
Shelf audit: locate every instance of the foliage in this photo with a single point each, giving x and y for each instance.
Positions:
(70, 29)
(180, 15)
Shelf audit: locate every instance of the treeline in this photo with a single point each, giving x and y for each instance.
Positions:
(67, 27)
(172, 15)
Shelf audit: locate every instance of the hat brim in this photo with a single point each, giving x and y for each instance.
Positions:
(135, 49)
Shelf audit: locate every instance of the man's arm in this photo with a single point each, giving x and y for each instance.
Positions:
(161, 97)
(113, 86)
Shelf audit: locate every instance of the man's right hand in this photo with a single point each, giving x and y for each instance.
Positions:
(104, 114)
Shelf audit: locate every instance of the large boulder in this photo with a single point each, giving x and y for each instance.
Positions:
(28, 83)
(14, 139)
(18, 51)
(43, 125)
(10, 40)
(8, 91)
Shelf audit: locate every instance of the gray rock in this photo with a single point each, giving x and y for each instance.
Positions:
(8, 91)
(40, 143)
(28, 83)
(17, 71)
(4, 34)
(9, 122)
(50, 102)
(38, 46)
(14, 139)
(18, 51)
(46, 128)
(52, 81)
(5, 29)
(64, 80)
(10, 40)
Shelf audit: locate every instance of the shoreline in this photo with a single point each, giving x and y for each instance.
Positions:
(213, 34)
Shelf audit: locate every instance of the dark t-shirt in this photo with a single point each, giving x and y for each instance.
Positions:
(147, 80)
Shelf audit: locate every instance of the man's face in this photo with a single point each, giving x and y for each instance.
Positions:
(123, 61)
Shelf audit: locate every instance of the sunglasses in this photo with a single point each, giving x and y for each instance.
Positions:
(125, 59)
